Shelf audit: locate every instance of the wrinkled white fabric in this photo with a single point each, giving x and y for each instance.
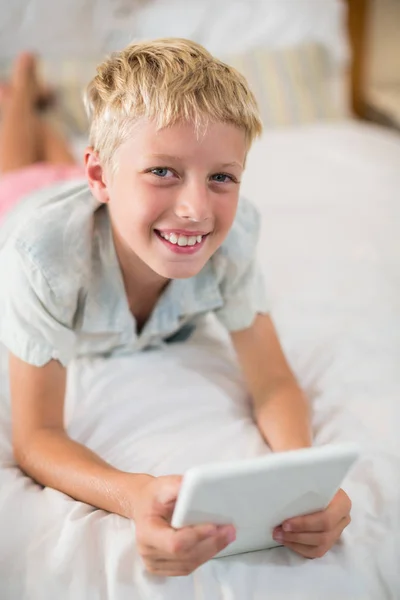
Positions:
(330, 253)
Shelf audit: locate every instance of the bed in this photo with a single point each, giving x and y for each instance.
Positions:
(328, 194)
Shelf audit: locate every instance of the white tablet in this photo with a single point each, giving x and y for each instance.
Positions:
(258, 494)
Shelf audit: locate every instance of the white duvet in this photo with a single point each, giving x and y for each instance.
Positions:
(330, 200)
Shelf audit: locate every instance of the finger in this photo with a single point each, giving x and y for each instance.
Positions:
(203, 532)
(169, 489)
(307, 551)
(164, 568)
(210, 546)
(183, 566)
(342, 498)
(324, 520)
(166, 496)
(310, 539)
(203, 550)
(314, 545)
(163, 540)
(307, 539)
(317, 522)
(157, 535)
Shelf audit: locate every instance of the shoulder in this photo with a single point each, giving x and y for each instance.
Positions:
(50, 249)
(56, 239)
(239, 248)
(239, 279)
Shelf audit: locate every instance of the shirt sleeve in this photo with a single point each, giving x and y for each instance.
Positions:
(32, 318)
(242, 284)
(244, 298)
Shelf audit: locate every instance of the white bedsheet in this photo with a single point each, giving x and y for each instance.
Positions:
(331, 252)
(92, 27)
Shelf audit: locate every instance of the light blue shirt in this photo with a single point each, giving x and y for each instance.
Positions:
(62, 294)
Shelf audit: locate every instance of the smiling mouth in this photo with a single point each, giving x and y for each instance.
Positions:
(181, 240)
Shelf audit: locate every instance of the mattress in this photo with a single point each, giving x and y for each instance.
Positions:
(329, 249)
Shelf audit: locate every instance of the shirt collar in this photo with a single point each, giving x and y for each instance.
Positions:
(185, 298)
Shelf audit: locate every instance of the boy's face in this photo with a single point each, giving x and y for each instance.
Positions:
(173, 196)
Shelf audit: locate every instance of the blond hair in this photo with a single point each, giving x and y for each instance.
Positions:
(167, 81)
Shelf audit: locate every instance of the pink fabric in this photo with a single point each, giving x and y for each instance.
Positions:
(19, 183)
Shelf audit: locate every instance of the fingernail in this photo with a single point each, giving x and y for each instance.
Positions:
(231, 536)
(278, 536)
(276, 530)
(287, 527)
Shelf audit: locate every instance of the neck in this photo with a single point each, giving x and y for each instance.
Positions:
(140, 281)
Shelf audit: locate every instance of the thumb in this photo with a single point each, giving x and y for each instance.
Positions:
(169, 489)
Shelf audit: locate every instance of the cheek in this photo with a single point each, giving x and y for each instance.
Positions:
(137, 206)
(226, 210)
(151, 204)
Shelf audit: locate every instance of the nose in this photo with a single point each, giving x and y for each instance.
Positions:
(194, 202)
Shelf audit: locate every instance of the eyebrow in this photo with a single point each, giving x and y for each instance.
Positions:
(172, 157)
(232, 164)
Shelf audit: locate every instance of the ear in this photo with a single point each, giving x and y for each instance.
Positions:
(96, 176)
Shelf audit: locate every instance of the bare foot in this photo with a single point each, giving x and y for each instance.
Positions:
(23, 76)
(25, 80)
(4, 92)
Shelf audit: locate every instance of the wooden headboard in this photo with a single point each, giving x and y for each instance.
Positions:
(358, 12)
(359, 24)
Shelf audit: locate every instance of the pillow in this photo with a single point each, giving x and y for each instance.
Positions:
(69, 78)
(291, 85)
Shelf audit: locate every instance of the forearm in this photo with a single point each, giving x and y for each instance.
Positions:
(54, 460)
(283, 417)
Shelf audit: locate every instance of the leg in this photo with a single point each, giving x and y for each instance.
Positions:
(55, 148)
(25, 138)
(19, 132)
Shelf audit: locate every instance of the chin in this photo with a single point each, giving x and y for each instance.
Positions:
(179, 271)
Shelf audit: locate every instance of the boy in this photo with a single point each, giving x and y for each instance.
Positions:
(154, 238)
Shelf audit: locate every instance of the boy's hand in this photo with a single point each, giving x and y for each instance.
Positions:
(313, 535)
(167, 551)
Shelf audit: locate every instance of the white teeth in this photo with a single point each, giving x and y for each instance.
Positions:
(182, 240)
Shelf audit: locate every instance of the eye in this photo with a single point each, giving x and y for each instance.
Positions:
(162, 172)
(223, 178)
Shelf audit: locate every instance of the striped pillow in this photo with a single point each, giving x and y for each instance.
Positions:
(69, 78)
(291, 84)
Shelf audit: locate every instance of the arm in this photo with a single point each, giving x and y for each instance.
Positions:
(283, 417)
(44, 451)
(281, 409)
